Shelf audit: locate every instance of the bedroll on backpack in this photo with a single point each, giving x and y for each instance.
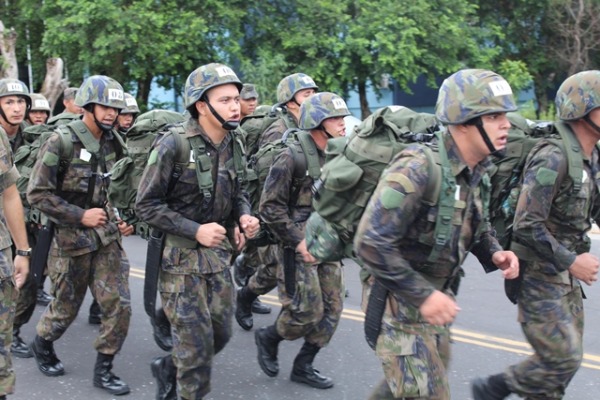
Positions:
(506, 175)
(352, 173)
(127, 172)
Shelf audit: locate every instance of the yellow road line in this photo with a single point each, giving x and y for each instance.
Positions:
(458, 335)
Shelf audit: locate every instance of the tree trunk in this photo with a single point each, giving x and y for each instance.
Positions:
(8, 62)
(143, 92)
(365, 111)
(54, 85)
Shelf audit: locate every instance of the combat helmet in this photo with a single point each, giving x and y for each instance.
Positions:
(14, 87)
(292, 84)
(131, 105)
(578, 95)
(472, 93)
(319, 107)
(207, 77)
(100, 89)
(39, 103)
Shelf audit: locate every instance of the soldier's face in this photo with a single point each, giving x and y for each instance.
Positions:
(225, 100)
(595, 116)
(38, 117)
(335, 126)
(303, 95)
(248, 106)
(71, 107)
(14, 108)
(125, 120)
(105, 115)
(496, 126)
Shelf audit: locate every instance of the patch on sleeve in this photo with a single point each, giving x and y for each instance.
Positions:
(546, 177)
(402, 179)
(153, 157)
(391, 198)
(50, 159)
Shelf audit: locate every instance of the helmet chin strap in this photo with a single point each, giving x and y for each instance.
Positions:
(322, 128)
(5, 118)
(486, 139)
(591, 123)
(227, 125)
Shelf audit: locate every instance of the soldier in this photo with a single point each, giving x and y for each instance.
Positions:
(395, 237)
(14, 103)
(12, 276)
(312, 304)
(40, 109)
(258, 266)
(550, 231)
(127, 115)
(86, 248)
(72, 111)
(198, 212)
(248, 99)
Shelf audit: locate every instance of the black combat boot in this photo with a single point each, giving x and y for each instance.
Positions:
(48, 363)
(42, 298)
(258, 307)
(491, 388)
(95, 317)
(267, 341)
(162, 330)
(18, 347)
(243, 309)
(241, 272)
(303, 371)
(105, 379)
(165, 373)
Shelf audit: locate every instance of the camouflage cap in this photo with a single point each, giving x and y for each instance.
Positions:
(248, 92)
(322, 240)
(100, 89)
(292, 84)
(471, 93)
(319, 107)
(131, 105)
(39, 103)
(14, 87)
(207, 77)
(578, 95)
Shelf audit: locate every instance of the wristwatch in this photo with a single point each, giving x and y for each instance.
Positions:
(24, 253)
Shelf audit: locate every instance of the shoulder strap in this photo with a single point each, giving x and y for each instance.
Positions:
(574, 156)
(239, 157)
(182, 155)
(311, 154)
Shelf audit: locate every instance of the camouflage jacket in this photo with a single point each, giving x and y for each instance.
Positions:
(550, 219)
(277, 129)
(63, 118)
(390, 235)
(18, 140)
(179, 212)
(8, 177)
(285, 217)
(71, 237)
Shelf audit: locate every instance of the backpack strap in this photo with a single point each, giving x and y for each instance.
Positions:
(182, 155)
(311, 154)
(443, 223)
(574, 156)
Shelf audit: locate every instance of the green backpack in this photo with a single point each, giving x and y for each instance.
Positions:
(506, 175)
(127, 172)
(258, 122)
(352, 173)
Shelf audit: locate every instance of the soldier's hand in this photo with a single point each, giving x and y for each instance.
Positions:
(306, 256)
(211, 235)
(508, 262)
(125, 228)
(94, 217)
(21, 270)
(240, 239)
(439, 309)
(250, 225)
(585, 268)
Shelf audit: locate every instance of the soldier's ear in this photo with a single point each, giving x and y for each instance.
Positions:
(201, 108)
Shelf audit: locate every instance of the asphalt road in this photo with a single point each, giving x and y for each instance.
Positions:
(486, 336)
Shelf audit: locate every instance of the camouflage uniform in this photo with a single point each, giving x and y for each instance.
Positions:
(396, 235)
(8, 291)
(550, 227)
(195, 283)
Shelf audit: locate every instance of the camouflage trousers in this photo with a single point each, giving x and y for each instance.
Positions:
(28, 293)
(200, 308)
(316, 308)
(414, 355)
(8, 299)
(106, 272)
(552, 319)
(265, 278)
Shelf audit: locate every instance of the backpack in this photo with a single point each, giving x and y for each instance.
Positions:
(506, 175)
(352, 172)
(258, 122)
(127, 172)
